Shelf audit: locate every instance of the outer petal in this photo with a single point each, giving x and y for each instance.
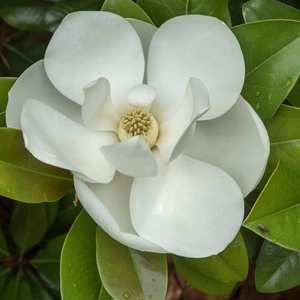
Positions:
(98, 111)
(108, 205)
(34, 83)
(176, 133)
(236, 142)
(190, 209)
(145, 32)
(54, 139)
(90, 45)
(195, 46)
(132, 157)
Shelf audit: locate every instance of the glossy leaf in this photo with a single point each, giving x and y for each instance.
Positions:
(272, 63)
(235, 8)
(104, 295)
(275, 215)
(23, 177)
(78, 270)
(128, 273)
(294, 95)
(21, 55)
(126, 9)
(5, 86)
(60, 9)
(24, 14)
(277, 269)
(256, 10)
(161, 11)
(28, 225)
(47, 260)
(218, 274)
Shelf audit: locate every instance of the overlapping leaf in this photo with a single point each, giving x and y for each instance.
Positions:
(5, 86)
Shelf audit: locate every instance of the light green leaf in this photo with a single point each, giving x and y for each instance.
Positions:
(256, 10)
(277, 269)
(78, 270)
(23, 177)
(275, 215)
(130, 274)
(5, 86)
(218, 274)
(104, 295)
(28, 225)
(161, 11)
(272, 63)
(126, 9)
(294, 95)
(47, 260)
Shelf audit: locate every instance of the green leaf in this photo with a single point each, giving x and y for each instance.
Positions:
(21, 55)
(277, 269)
(4, 276)
(294, 95)
(51, 211)
(130, 274)
(47, 260)
(275, 214)
(256, 10)
(28, 225)
(60, 9)
(161, 11)
(104, 295)
(23, 177)
(272, 63)
(218, 274)
(79, 273)
(126, 9)
(3, 246)
(24, 14)
(235, 8)
(5, 86)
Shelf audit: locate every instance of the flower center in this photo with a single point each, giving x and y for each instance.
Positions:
(139, 122)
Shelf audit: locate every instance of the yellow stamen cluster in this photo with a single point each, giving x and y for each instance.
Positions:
(139, 122)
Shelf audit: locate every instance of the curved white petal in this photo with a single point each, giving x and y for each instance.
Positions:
(97, 110)
(141, 95)
(177, 132)
(132, 157)
(89, 45)
(236, 142)
(195, 46)
(108, 205)
(190, 209)
(145, 32)
(54, 139)
(34, 83)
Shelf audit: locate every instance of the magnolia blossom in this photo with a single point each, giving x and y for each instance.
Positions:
(151, 123)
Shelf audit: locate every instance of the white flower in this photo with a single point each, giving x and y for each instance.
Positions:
(171, 184)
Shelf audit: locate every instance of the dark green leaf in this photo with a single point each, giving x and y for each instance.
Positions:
(28, 225)
(277, 269)
(21, 55)
(128, 273)
(4, 275)
(126, 9)
(79, 273)
(51, 211)
(161, 11)
(5, 86)
(294, 95)
(24, 14)
(275, 214)
(218, 274)
(272, 63)
(235, 8)
(23, 177)
(256, 10)
(104, 295)
(3, 246)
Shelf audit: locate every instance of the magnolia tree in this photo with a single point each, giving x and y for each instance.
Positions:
(163, 131)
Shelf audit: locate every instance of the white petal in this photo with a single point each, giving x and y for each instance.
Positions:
(236, 142)
(141, 95)
(97, 111)
(177, 132)
(195, 46)
(108, 205)
(145, 32)
(54, 139)
(132, 157)
(90, 45)
(190, 209)
(34, 83)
